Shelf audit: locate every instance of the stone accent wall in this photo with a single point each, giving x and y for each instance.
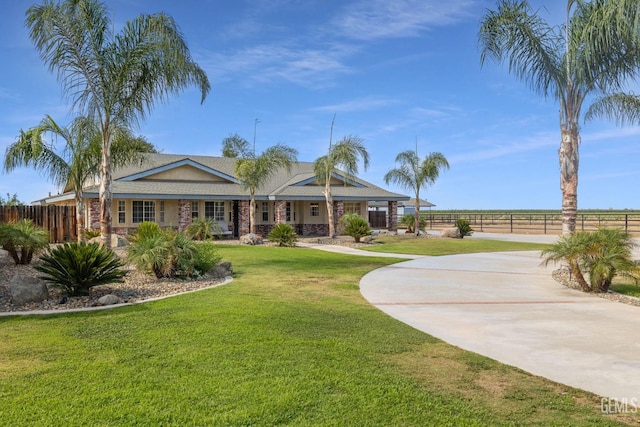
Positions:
(243, 224)
(184, 214)
(94, 214)
(392, 218)
(281, 211)
(312, 229)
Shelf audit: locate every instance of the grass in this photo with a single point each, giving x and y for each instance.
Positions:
(626, 288)
(438, 247)
(289, 342)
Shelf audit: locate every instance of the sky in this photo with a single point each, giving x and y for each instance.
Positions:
(400, 74)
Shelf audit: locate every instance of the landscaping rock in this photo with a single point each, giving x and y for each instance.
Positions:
(451, 233)
(25, 289)
(251, 239)
(222, 270)
(109, 300)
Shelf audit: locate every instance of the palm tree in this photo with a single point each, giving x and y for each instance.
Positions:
(253, 171)
(344, 155)
(71, 167)
(413, 174)
(594, 54)
(114, 78)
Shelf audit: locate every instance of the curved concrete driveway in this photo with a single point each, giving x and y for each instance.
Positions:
(507, 307)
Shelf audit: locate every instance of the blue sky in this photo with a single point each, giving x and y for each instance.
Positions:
(393, 72)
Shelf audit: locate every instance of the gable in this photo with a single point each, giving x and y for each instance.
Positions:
(185, 170)
(335, 180)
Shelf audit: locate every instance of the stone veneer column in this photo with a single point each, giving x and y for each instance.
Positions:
(244, 217)
(94, 214)
(338, 212)
(281, 212)
(392, 220)
(184, 214)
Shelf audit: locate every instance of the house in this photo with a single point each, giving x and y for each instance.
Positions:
(173, 190)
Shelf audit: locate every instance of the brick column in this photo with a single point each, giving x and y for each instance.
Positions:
(338, 212)
(184, 214)
(94, 214)
(392, 216)
(281, 212)
(244, 217)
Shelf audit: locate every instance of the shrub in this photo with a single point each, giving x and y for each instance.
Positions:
(464, 227)
(145, 230)
(203, 229)
(90, 234)
(76, 267)
(355, 226)
(22, 239)
(600, 255)
(283, 235)
(409, 221)
(167, 253)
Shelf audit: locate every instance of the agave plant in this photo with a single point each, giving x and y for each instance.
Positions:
(77, 267)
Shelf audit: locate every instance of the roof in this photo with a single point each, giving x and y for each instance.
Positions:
(411, 203)
(175, 176)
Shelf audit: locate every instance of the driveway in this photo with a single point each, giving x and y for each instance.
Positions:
(506, 306)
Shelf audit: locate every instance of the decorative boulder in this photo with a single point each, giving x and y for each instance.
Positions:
(24, 289)
(251, 239)
(451, 233)
(222, 270)
(109, 300)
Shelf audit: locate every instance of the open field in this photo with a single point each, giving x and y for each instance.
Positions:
(290, 342)
(533, 221)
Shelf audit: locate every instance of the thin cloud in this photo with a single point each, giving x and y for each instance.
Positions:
(376, 19)
(363, 104)
(502, 149)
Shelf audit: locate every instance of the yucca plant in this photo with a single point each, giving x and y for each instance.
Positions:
(23, 239)
(355, 226)
(77, 267)
(283, 235)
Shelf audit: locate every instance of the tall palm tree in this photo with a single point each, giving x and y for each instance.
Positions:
(72, 166)
(414, 173)
(253, 171)
(344, 155)
(114, 78)
(594, 54)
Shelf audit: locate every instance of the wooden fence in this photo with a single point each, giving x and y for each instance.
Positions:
(59, 221)
(532, 223)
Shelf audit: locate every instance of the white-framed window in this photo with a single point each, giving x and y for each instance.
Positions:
(122, 211)
(195, 209)
(265, 211)
(143, 210)
(315, 209)
(352, 207)
(161, 210)
(214, 210)
(288, 212)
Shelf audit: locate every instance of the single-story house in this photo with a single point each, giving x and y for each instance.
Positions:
(173, 190)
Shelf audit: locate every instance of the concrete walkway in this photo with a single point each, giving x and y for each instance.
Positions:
(507, 306)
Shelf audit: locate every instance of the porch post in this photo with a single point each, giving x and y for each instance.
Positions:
(281, 212)
(93, 222)
(184, 214)
(392, 220)
(244, 217)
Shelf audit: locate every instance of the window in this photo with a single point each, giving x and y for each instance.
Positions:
(265, 211)
(161, 210)
(122, 213)
(352, 207)
(214, 210)
(194, 210)
(315, 209)
(288, 212)
(143, 211)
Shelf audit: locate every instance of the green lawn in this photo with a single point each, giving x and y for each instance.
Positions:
(627, 289)
(437, 247)
(289, 342)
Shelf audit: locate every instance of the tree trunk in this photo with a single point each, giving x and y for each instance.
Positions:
(79, 218)
(105, 190)
(416, 214)
(569, 162)
(329, 197)
(252, 213)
